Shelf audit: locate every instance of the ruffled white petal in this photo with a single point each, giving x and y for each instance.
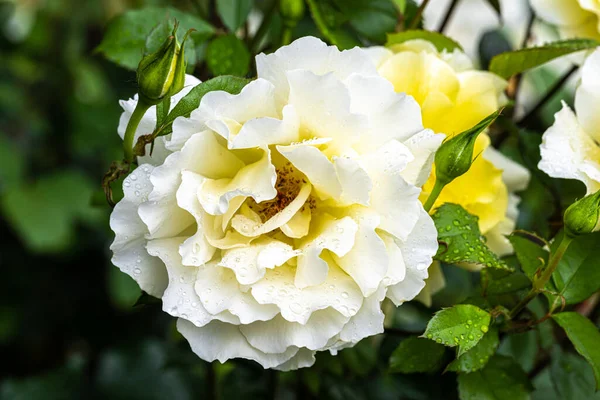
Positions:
(221, 341)
(129, 246)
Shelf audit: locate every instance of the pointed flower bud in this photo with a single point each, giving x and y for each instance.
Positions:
(455, 156)
(583, 216)
(162, 73)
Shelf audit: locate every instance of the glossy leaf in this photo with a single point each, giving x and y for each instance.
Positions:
(585, 337)
(227, 55)
(234, 13)
(191, 101)
(125, 39)
(531, 251)
(476, 358)
(514, 62)
(462, 325)
(417, 355)
(577, 276)
(572, 377)
(460, 238)
(501, 379)
(329, 22)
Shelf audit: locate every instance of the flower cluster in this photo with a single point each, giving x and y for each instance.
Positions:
(273, 223)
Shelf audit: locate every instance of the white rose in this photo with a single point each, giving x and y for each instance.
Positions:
(571, 147)
(282, 216)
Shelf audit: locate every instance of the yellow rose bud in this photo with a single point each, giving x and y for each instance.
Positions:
(583, 216)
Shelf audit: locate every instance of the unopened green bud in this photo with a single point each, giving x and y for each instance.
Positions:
(292, 11)
(162, 73)
(583, 216)
(455, 156)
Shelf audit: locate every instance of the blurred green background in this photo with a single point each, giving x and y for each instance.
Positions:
(68, 325)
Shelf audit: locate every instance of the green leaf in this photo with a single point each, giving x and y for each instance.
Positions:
(370, 18)
(514, 62)
(572, 377)
(530, 250)
(501, 379)
(415, 354)
(523, 347)
(577, 276)
(162, 111)
(400, 5)
(491, 44)
(462, 325)
(478, 356)
(329, 22)
(585, 337)
(501, 281)
(227, 55)
(441, 42)
(234, 13)
(125, 39)
(191, 101)
(460, 238)
(44, 213)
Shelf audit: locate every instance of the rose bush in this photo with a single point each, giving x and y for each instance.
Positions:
(273, 223)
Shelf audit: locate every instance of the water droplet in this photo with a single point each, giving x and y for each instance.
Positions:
(344, 295)
(456, 222)
(471, 337)
(184, 316)
(137, 193)
(484, 328)
(182, 279)
(126, 184)
(339, 229)
(331, 287)
(133, 177)
(429, 336)
(137, 271)
(139, 261)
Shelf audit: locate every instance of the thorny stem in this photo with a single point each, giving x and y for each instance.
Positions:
(540, 283)
(435, 193)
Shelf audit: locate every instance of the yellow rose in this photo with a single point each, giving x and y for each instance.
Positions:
(574, 18)
(454, 97)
